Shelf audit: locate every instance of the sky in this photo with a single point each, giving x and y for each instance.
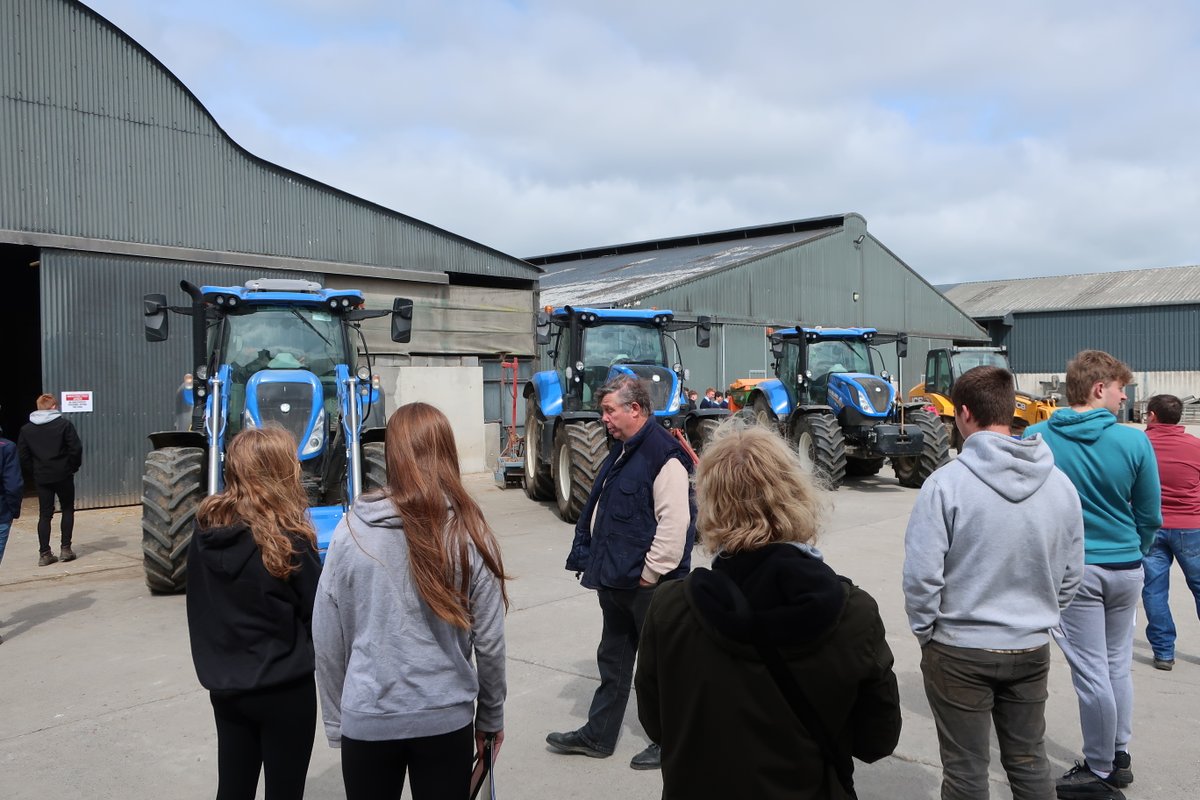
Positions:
(979, 140)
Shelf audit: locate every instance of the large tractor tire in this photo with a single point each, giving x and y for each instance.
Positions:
(955, 438)
(374, 467)
(912, 471)
(819, 440)
(172, 487)
(539, 483)
(703, 433)
(863, 467)
(761, 411)
(579, 450)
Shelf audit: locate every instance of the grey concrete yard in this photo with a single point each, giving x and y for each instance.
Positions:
(98, 698)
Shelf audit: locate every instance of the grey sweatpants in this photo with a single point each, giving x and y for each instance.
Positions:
(1096, 636)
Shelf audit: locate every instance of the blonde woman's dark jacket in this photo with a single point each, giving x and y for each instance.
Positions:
(706, 696)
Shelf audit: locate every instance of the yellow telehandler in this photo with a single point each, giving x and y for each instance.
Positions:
(944, 365)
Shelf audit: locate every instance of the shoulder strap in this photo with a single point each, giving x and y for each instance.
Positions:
(792, 692)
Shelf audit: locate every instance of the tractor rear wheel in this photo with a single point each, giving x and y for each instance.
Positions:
(704, 431)
(172, 487)
(539, 483)
(819, 440)
(761, 412)
(955, 438)
(374, 467)
(579, 450)
(912, 471)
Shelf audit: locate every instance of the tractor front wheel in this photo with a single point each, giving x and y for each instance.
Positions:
(374, 467)
(539, 483)
(579, 450)
(172, 487)
(912, 471)
(819, 440)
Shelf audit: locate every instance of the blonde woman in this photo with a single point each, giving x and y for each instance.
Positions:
(769, 661)
(413, 588)
(252, 578)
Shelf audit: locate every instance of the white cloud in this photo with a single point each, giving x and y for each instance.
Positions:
(979, 141)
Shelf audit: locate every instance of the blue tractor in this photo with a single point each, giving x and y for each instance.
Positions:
(272, 352)
(565, 441)
(832, 398)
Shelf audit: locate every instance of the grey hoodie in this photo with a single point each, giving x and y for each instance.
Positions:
(994, 547)
(387, 666)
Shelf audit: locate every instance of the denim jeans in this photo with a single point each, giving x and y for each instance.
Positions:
(5, 527)
(969, 690)
(623, 612)
(1170, 544)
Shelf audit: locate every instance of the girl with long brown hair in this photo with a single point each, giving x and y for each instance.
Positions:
(413, 587)
(252, 580)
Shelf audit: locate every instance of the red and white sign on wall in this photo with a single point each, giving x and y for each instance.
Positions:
(75, 402)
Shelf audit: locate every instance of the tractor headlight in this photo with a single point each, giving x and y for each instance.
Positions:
(317, 438)
(247, 420)
(864, 402)
(363, 374)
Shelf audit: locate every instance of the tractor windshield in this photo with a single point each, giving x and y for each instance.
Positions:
(281, 337)
(838, 356)
(963, 361)
(606, 345)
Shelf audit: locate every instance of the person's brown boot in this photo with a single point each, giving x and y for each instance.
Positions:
(66, 554)
(47, 558)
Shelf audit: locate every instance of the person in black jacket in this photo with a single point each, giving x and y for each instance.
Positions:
(706, 692)
(252, 581)
(50, 449)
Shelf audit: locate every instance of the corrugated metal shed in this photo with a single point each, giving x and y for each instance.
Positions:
(1128, 288)
(819, 271)
(626, 276)
(147, 163)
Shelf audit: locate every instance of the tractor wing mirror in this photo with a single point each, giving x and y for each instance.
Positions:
(156, 317)
(902, 346)
(542, 328)
(402, 314)
(777, 348)
(703, 331)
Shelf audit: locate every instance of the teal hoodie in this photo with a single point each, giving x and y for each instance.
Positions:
(1114, 471)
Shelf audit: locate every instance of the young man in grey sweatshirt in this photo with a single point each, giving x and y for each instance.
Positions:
(993, 553)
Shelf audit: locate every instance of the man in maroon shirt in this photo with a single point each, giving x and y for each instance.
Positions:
(1178, 455)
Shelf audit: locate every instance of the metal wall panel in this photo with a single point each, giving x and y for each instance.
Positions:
(102, 141)
(92, 328)
(1148, 339)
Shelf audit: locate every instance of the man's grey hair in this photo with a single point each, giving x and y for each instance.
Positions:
(629, 390)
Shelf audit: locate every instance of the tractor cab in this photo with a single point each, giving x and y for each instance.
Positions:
(590, 347)
(566, 442)
(837, 367)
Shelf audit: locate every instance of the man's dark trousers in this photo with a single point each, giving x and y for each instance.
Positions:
(623, 611)
(64, 490)
(968, 691)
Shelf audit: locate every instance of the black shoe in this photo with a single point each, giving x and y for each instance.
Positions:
(573, 742)
(650, 758)
(46, 559)
(1121, 775)
(1080, 782)
(1165, 664)
(66, 554)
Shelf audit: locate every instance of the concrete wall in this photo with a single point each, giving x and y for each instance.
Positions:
(458, 392)
(1180, 384)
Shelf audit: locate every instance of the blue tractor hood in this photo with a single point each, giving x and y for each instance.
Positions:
(868, 394)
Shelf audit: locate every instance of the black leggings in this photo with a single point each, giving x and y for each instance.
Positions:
(440, 766)
(268, 730)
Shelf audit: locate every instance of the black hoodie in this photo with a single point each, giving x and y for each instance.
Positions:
(706, 696)
(249, 630)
